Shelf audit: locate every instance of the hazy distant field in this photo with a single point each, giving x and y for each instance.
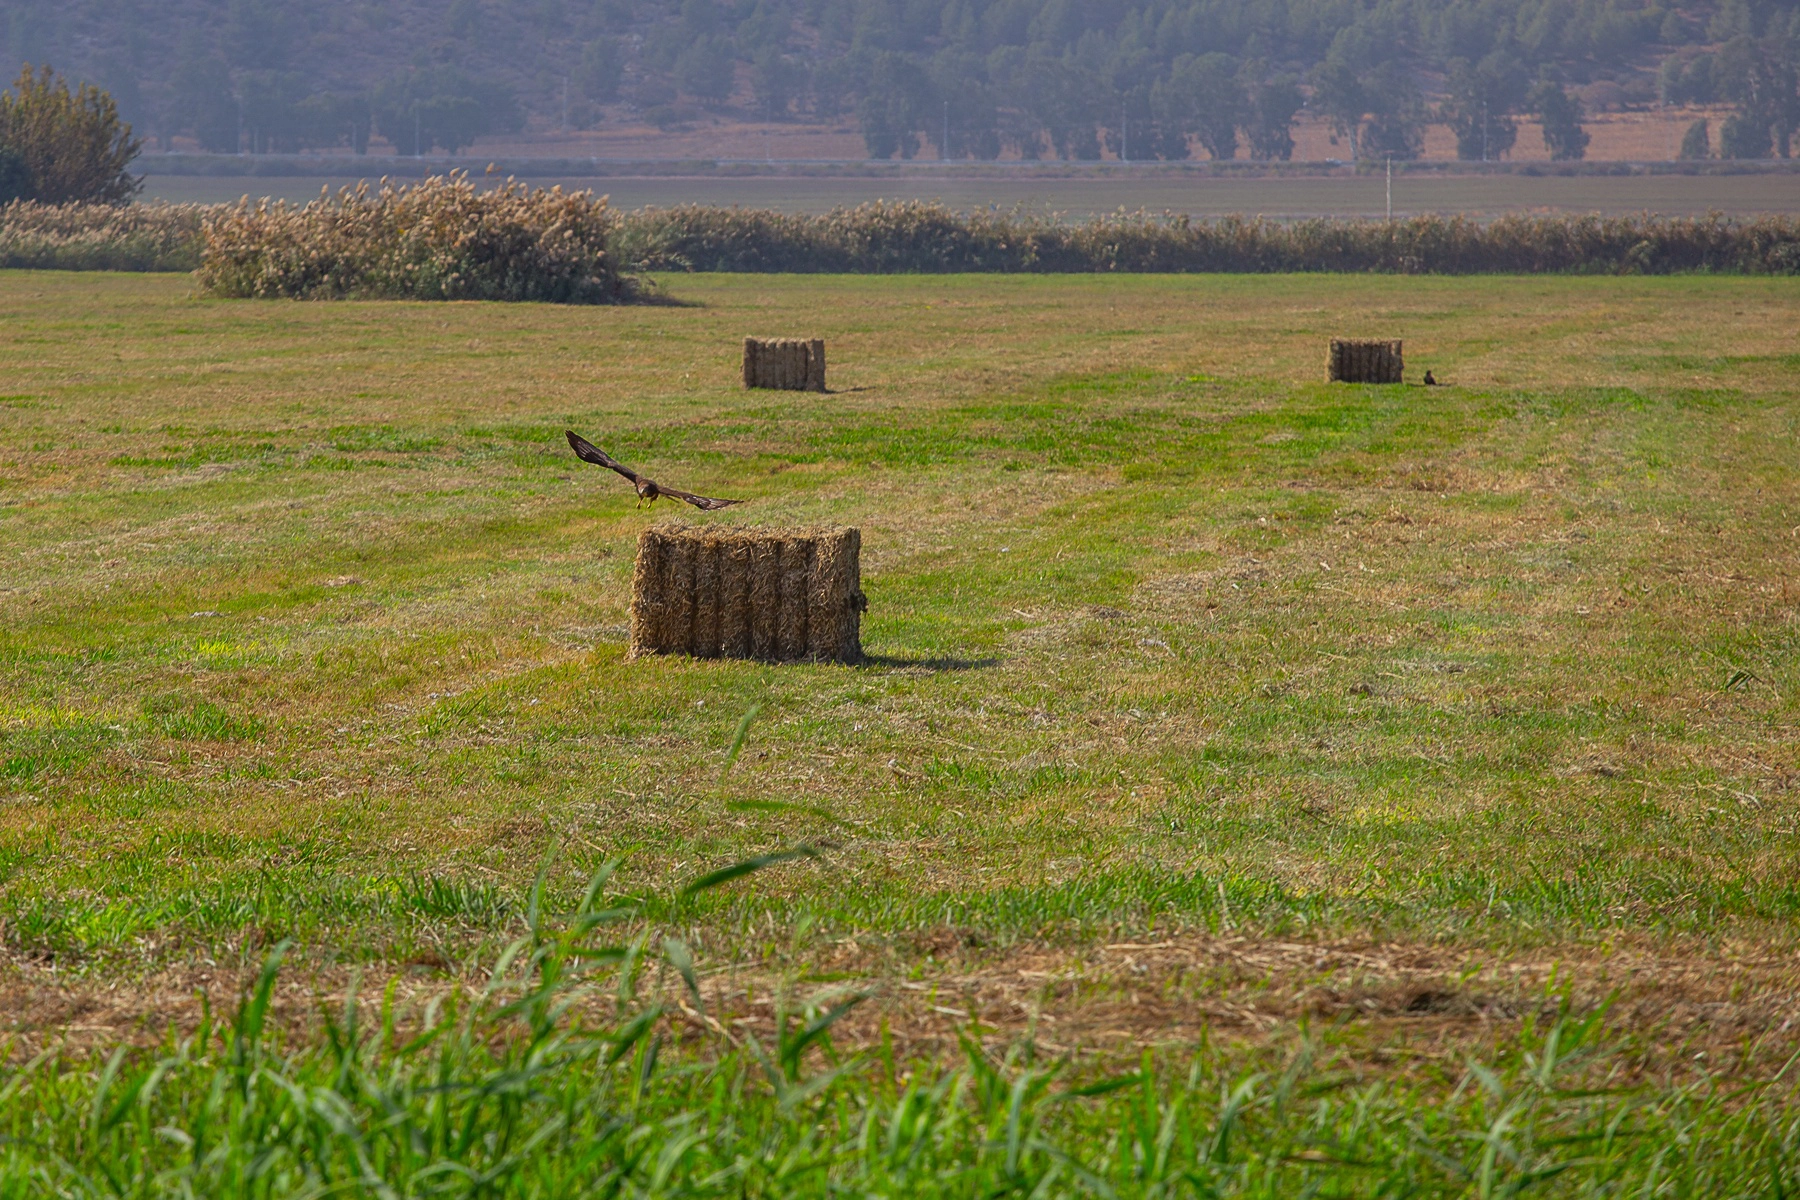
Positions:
(1206, 700)
(1082, 198)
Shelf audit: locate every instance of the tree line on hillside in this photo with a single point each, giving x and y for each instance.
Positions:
(277, 112)
(1759, 77)
(1209, 102)
(960, 78)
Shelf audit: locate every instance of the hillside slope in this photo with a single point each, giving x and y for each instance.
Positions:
(991, 78)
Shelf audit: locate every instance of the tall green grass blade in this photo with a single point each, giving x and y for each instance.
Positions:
(738, 738)
(748, 866)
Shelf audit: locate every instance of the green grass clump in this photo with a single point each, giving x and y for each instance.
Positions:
(202, 720)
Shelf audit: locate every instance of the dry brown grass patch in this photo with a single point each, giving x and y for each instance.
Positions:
(1385, 1005)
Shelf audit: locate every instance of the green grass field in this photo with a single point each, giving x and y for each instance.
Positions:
(1208, 704)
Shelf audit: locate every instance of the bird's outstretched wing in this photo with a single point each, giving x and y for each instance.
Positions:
(706, 502)
(586, 451)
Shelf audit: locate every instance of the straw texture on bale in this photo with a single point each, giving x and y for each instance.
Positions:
(796, 364)
(779, 596)
(1365, 362)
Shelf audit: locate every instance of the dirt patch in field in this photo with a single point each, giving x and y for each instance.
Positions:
(1729, 1009)
(1391, 1006)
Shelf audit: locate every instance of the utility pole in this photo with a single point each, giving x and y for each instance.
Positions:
(1390, 181)
(1124, 134)
(418, 150)
(1484, 131)
(944, 146)
(565, 127)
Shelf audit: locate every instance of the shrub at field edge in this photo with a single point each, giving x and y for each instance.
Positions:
(442, 239)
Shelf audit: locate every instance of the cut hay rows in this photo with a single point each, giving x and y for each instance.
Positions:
(778, 596)
(794, 364)
(1365, 362)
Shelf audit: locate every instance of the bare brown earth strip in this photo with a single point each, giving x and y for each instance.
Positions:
(1381, 1006)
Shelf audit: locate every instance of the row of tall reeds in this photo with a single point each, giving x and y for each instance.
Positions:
(445, 238)
(925, 238)
(442, 239)
(100, 237)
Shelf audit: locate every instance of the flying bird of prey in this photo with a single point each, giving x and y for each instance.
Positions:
(647, 488)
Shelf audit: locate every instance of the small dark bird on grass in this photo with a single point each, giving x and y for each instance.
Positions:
(1429, 381)
(647, 488)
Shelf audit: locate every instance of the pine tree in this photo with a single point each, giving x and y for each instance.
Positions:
(1560, 115)
(1695, 143)
(73, 145)
(15, 176)
(1744, 135)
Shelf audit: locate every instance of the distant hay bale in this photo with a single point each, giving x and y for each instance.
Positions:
(1365, 362)
(796, 364)
(711, 592)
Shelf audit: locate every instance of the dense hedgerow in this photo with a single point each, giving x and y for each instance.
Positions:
(914, 237)
(100, 237)
(441, 239)
(444, 239)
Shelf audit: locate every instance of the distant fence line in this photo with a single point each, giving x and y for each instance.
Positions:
(327, 249)
(372, 166)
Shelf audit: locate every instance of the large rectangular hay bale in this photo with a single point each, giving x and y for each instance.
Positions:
(715, 592)
(795, 364)
(1364, 361)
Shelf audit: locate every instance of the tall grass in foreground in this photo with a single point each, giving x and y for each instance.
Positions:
(101, 237)
(563, 1077)
(442, 239)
